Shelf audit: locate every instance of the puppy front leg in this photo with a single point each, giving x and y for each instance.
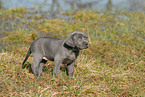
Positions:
(70, 69)
(56, 68)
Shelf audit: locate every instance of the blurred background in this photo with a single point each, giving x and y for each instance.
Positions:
(66, 5)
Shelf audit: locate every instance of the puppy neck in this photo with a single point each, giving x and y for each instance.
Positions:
(74, 49)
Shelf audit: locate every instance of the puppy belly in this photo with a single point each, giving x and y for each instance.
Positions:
(45, 58)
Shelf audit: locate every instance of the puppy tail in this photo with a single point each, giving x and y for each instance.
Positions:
(28, 54)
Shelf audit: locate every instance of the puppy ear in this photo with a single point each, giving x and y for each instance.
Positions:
(70, 41)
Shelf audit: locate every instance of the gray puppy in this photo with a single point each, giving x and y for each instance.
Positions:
(61, 51)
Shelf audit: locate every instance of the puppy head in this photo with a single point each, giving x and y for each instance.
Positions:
(78, 39)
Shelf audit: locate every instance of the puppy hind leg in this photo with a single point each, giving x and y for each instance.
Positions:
(34, 67)
(42, 63)
(36, 62)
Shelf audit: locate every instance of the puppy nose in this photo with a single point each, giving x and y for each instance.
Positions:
(86, 43)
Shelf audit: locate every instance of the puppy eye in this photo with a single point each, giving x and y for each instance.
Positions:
(86, 37)
(79, 38)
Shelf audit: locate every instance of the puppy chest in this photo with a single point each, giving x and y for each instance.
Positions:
(67, 61)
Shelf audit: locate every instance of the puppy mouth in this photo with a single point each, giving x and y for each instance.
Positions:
(85, 47)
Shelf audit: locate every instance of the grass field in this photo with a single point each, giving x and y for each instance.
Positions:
(113, 65)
